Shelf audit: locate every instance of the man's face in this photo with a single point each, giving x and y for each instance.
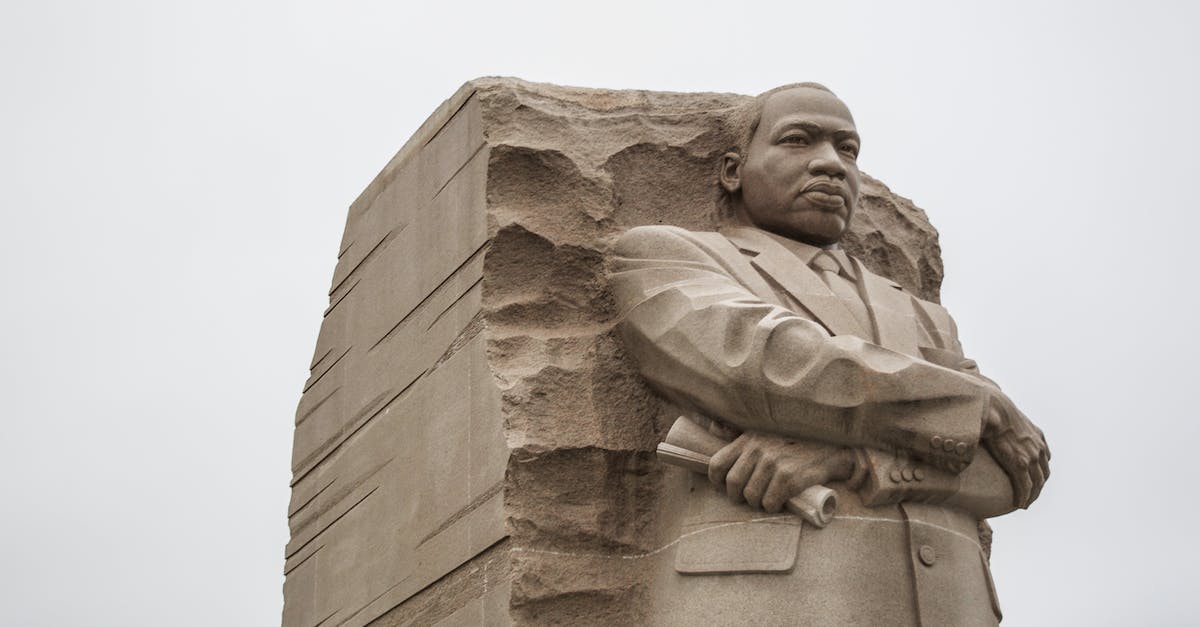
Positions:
(799, 177)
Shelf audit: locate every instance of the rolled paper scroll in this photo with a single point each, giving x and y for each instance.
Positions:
(690, 446)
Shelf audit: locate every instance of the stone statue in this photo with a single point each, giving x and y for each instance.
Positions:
(813, 371)
(475, 443)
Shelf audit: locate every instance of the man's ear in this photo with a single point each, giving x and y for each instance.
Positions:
(731, 172)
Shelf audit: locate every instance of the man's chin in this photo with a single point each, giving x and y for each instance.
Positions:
(823, 231)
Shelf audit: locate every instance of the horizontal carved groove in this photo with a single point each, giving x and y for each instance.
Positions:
(287, 569)
(461, 167)
(313, 380)
(471, 579)
(333, 501)
(317, 360)
(376, 598)
(436, 290)
(364, 417)
(449, 119)
(333, 522)
(458, 300)
(326, 619)
(464, 337)
(310, 499)
(311, 410)
(341, 298)
(467, 509)
(371, 254)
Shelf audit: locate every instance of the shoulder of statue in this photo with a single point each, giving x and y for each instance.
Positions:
(661, 239)
(659, 231)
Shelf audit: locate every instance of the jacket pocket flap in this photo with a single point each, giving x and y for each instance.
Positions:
(752, 546)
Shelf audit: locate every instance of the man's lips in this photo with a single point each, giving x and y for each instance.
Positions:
(826, 194)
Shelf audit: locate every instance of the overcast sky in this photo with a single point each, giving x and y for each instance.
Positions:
(174, 178)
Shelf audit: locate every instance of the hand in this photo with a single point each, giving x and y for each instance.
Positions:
(1019, 447)
(767, 470)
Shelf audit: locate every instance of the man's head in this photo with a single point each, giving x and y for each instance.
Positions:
(795, 172)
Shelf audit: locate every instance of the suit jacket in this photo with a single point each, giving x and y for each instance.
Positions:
(735, 326)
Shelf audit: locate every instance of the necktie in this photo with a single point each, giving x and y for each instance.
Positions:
(828, 268)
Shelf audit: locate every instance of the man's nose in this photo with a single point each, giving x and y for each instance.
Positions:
(827, 162)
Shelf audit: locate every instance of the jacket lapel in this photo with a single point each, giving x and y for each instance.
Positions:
(795, 277)
(895, 326)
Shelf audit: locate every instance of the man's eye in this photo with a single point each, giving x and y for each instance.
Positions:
(850, 149)
(794, 139)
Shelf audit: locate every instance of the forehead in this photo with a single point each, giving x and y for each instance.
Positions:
(805, 104)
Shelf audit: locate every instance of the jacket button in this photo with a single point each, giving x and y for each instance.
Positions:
(927, 554)
(918, 474)
(935, 442)
(960, 448)
(908, 474)
(948, 445)
(895, 476)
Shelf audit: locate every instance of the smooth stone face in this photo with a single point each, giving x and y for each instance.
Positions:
(799, 178)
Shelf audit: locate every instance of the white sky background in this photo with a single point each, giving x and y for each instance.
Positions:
(174, 178)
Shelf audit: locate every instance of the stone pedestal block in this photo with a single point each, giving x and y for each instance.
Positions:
(472, 446)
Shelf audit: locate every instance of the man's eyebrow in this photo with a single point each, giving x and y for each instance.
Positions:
(816, 129)
(847, 134)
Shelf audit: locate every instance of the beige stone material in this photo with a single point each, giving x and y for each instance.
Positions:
(822, 373)
(694, 288)
(476, 446)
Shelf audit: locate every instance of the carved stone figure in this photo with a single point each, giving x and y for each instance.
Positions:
(816, 371)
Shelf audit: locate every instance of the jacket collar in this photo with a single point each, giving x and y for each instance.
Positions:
(776, 257)
(808, 252)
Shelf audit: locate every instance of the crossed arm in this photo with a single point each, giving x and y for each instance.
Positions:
(709, 344)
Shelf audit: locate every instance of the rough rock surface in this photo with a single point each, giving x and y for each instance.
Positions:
(543, 179)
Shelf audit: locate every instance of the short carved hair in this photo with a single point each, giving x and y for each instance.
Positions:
(744, 121)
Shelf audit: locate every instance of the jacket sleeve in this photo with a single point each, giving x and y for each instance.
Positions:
(982, 488)
(709, 344)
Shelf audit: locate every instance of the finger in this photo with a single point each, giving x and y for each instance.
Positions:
(1024, 478)
(777, 493)
(1022, 486)
(739, 474)
(1044, 462)
(720, 463)
(757, 484)
(1037, 467)
(1006, 455)
(1038, 480)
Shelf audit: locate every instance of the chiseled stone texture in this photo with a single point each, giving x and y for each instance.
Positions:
(472, 446)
